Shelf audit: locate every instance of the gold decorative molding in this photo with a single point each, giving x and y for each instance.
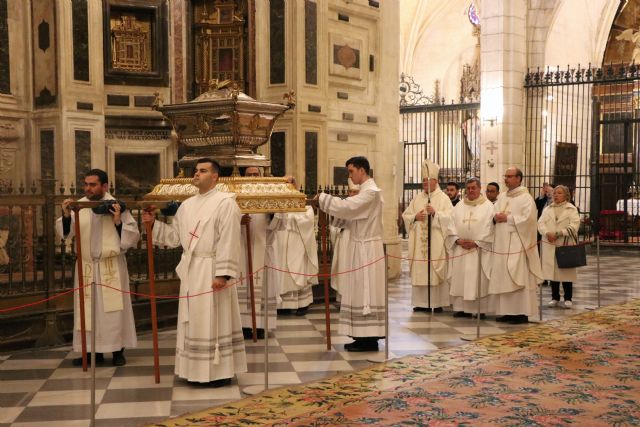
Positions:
(253, 194)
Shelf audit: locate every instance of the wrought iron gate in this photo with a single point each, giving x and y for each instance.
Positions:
(448, 134)
(582, 131)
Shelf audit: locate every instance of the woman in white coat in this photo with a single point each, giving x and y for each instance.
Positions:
(558, 226)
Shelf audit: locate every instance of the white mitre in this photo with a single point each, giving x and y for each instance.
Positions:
(430, 170)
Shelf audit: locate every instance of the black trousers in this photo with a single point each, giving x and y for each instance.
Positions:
(555, 290)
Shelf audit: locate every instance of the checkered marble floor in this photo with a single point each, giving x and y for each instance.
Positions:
(42, 388)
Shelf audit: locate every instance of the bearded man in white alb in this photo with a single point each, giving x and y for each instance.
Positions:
(104, 239)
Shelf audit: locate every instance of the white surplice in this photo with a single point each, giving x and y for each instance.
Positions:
(339, 235)
(470, 220)
(515, 268)
(362, 310)
(298, 253)
(209, 344)
(419, 249)
(258, 233)
(104, 262)
(558, 218)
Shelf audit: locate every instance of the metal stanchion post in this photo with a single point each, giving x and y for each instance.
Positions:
(378, 359)
(590, 307)
(255, 389)
(469, 337)
(598, 266)
(93, 352)
(540, 287)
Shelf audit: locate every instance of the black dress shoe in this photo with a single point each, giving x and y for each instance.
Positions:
(285, 311)
(461, 314)
(302, 311)
(424, 309)
(248, 333)
(518, 319)
(505, 318)
(78, 360)
(482, 316)
(118, 358)
(362, 344)
(220, 383)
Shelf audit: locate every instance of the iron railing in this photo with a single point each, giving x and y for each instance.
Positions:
(581, 131)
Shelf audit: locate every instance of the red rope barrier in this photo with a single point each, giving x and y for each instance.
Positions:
(236, 282)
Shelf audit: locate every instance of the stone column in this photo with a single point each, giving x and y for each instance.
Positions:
(503, 66)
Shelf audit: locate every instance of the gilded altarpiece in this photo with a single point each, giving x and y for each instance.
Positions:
(135, 42)
(131, 42)
(219, 40)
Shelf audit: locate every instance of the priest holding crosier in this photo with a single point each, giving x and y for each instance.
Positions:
(427, 219)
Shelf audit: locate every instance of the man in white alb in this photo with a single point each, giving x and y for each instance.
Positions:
(104, 237)
(209, 345)
(515, 267)
(259, 224)
(297, 250)
(470, 236)
(362, 310)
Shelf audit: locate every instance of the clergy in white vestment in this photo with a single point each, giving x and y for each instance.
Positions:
(470, 240)
(558, 226)
(339, 235)
(104, 239)
(258, 225)
(362, 307)
(209, 345)
(515, 269)
(296, 246)
(435, 203)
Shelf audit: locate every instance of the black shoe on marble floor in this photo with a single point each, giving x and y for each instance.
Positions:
(424, 309)
(248, 333)
(438, 310)
(461, 314)
(518, 319)
(285, 312)
(78, 360)
(302, 311)
(118, 358)
(482, 316)
(220, 383)
(506, 318)
(362, 344)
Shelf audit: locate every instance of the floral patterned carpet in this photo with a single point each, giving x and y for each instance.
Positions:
(583, 371)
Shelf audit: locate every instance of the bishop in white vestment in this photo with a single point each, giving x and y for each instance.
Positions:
(515, 271)
(104, 245)
(435, 203)
(297, 249)
(470, 240)
(209, 345)
(362, 309)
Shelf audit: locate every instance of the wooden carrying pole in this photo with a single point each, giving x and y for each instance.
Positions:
(152, 301)
(83, 326)
(254, 330)
(322, 217)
